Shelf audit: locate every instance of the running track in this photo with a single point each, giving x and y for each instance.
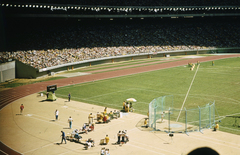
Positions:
(10, 95)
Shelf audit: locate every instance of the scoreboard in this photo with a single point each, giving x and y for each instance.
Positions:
(51, 88)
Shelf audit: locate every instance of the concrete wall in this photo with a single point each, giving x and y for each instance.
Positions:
(26, 71)
(7, 71)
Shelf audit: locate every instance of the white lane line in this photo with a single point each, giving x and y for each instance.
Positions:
(109, 125)
(53, 122)
(147, 146)
(216, 139)
(230, 128)
(145, 149)
(38, 148)
(214, 142)
(125, 90)
(3, 152)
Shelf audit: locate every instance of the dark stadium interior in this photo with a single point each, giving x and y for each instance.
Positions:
(136, 2)
(39, 34)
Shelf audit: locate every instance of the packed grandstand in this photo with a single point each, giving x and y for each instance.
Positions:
(44, 42)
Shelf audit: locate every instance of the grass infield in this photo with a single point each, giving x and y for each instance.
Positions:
(219, 83)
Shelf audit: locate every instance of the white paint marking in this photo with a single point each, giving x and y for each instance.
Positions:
(38, 148)
(145, 149)
(187, 93)
(215, 142)
(216, 139)
(3, 152)
(147, 146)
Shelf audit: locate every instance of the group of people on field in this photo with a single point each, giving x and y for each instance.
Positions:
(103, 117)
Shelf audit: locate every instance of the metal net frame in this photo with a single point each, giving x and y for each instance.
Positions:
(156, 107)
(163, 116)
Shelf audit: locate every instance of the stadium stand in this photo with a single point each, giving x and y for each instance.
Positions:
(45, 42)
(54, 42)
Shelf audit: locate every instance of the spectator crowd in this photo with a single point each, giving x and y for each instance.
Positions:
(46, 45)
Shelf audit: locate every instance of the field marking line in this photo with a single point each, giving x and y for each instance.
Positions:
(39, 148)
(107, 103)
(43, 120)
(111, 93)
(215, 139)
(132, 129)
(98, 102)
(187, 93)
(91, 100)
(206, 95)
(78, 127)
(155, 147)
(214, 142)
(70, 151)
(232, 114)
(52, 122)
(156, 91)
(145, 149)
(143, 102)
(83, 111)
(230, 128)
(48, 119)
(3, 152)
(97, 81)
(110, 125)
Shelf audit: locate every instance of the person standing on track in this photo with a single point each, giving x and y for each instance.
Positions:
(69, 97)
(119, 137)
(216, 127)
(106, 140)
(56, 114)
(21, 108)
(70, 120)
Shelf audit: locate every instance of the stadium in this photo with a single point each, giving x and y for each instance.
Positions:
(104, 52)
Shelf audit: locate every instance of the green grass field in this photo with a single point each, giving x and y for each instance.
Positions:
(219, 83)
